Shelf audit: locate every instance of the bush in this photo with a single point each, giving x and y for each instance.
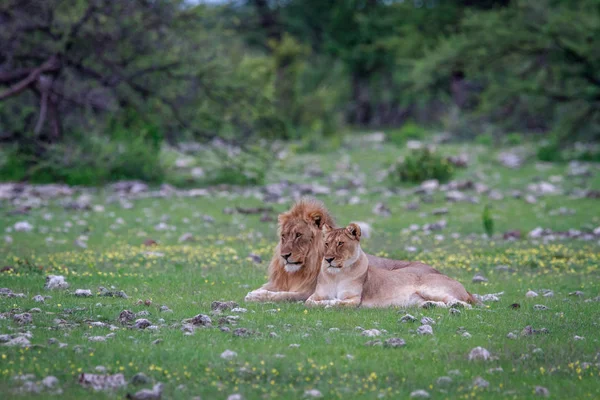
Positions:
(89, 159)
(409, 131)
(550, 152)
(422, 165)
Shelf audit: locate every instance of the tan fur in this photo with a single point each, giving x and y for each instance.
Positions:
(307, 217)
(347, 278)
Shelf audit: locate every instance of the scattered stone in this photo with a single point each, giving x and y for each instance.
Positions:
(142, 323)
(148, 394)
(223, 305)
(466, 335)
(102, 382)
(228, 355)
(531, 293)
(540, 307)
(157, 341)
(394, 342)
(186, 237)
(443, 381)
(510, 160)
(104, 292)
(50, 382)
(202, 320)
(239, 310)
(83, 293)
(19, 341)
(165, 309)
(242, 332)
(425, 330)
(577, 293)
(235, 396)
(419, 394)
(126, 316)
(97, 339)
(479, 353)
(255, 258)
(23, 226)
(511, 335)
(427, 321)
(140, 379)
(478, 278)
(38, 298)
(371, 332)
(56, 282)
(454, 311)
(542, 391)
(578, 338)
(382, 210)
(512, 235)
(312, 393)
(23, 319)
(528, 331)
(480, 382)
(440, 211)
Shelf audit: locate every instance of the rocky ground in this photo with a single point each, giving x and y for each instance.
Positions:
(139, 290)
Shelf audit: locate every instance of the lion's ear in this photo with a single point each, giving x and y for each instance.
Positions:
(354, 231)
(326, 228)
(317, 218)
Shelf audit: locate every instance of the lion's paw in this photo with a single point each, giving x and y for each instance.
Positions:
(258, 295)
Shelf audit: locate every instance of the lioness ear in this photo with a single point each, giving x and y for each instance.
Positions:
(317, 218)
(354, 231)
(326, 228)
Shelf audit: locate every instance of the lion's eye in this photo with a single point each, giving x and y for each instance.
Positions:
(298, 235)
(340, 243)
(326, 245)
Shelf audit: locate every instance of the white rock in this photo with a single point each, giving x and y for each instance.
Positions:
(239, 310)
(479, 353)
(312, 393)
(480, 382)
(228, 355)
(83, 293)
(50, 382)
(56, 282)
(425, 330)
(531, 293)
(371, 333)
(23, 226)
(419, 394)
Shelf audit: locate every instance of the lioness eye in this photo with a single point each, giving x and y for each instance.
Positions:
(298, 235)
(326, 245)
(340, 243)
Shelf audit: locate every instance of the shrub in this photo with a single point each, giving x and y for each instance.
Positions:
(550, 152)
(409, 131)
(422, 165)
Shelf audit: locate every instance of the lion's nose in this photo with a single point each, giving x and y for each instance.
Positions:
(329, 260)
(286, 256)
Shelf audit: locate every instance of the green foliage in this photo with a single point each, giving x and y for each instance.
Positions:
(485, 139)
(409, 131)
(422, 165)
(550, 151)
(513, 139)
(488, 220)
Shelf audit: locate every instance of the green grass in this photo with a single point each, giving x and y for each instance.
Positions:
(188, 277)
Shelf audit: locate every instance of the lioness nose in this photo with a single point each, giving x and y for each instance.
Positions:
(329, 260)
(286, 256)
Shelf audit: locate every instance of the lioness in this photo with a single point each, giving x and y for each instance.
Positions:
(297, 258)
(346, 278)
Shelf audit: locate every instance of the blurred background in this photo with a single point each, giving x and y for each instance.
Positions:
(102, 90)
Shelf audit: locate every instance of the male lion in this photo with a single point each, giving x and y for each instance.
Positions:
(346, 278)
(297, 258)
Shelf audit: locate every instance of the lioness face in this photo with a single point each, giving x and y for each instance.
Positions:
(342, 247)
(296, 242)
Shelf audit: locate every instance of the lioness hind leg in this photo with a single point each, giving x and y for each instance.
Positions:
(433, 304)
(460, 304)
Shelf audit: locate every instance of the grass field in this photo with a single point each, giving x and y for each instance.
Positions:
(287, 350)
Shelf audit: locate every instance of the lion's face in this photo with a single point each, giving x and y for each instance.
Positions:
(342, 247)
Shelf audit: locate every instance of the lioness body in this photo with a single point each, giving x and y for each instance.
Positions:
(297, 258)
(347, 278)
